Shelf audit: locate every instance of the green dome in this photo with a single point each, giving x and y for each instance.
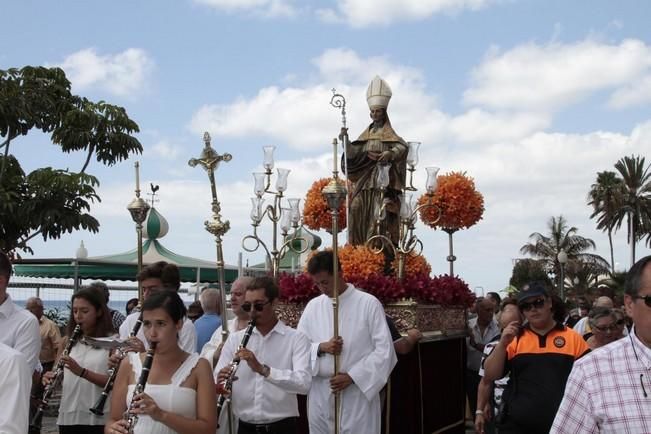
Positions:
(156, 226)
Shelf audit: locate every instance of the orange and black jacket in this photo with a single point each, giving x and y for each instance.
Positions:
(539, 366)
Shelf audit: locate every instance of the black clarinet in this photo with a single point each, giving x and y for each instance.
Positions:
(129, 415)
(98, 408)
(228, 383)
(58, 376)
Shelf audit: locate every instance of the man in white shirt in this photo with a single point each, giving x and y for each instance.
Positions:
(18, 327)
(212, 349)
(273, 369)
(609, 390)
(153, 278)
(482, 330)
(365, 349)
(15, 382)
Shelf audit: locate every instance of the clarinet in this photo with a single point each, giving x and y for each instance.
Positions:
(129, 415)
(58, 376)
(227, 385)
(98, 408)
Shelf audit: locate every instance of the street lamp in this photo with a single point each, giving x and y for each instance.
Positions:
(562, 260)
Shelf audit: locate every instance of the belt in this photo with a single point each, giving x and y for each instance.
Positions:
(282, 426)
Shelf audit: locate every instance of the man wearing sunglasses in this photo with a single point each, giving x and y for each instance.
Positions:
(609, 391)
(365, 349)
(274, 366)
(538, 356)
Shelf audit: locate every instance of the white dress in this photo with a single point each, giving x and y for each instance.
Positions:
(169, 397)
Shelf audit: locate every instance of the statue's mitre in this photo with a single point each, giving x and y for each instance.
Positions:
(378, 93)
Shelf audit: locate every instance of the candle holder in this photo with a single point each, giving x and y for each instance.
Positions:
(282, 218)
(408, 243)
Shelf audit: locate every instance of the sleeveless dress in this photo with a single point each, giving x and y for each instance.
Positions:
(169, 397)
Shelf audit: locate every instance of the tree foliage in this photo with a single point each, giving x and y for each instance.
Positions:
(527, 271)
(48, 201)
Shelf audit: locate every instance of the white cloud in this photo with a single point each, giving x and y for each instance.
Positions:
(302, 117)
(546, 77)
(265, 8)
(365, 13)
(123, 74)
(163, 149)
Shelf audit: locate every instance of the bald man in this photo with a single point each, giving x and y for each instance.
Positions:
(211, 350)
(207, 323)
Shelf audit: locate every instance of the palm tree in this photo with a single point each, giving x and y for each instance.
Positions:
(606, 196)
(636, 203)
(562, 237)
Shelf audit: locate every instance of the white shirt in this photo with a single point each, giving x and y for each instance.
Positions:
(257, 399)
(187, 336)
(605, 391)
(474, 355)
(209, 349)
(79, 394)
(14, 391)
(19, 329)
(367, 356)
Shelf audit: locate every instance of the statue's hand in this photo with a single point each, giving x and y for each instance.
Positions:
(385, 156)
(343, 133)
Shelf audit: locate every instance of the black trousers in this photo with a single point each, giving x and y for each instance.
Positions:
(283, 426)
(472, 383)
(81, 429)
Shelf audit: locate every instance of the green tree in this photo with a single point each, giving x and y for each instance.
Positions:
(529, 270)
(50, 202)
(561, 236)
(636, 201)
(605, 197)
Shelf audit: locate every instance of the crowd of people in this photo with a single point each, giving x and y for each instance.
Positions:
(166, 369)
(547, 371)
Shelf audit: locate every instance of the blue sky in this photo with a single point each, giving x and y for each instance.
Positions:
(531, 98)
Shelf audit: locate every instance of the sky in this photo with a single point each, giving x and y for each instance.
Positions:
(529, 98)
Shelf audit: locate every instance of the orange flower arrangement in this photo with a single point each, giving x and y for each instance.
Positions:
(414, 264)
(359, 262)
(461, 205)
(316, 214)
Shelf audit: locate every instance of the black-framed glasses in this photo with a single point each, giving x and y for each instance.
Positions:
(246, 307)
(621, 322)
(646, 298)
(606, 328)
(537, 303)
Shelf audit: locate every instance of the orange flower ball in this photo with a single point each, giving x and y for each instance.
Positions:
(414, 264)
(316, 214)
(460, 204)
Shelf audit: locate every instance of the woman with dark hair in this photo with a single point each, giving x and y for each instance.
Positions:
(179, 396)
(85, 366)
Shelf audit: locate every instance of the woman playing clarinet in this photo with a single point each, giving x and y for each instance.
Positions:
(85, 366)
(179, 394)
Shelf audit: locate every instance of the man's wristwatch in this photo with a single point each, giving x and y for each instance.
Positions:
(266, 370)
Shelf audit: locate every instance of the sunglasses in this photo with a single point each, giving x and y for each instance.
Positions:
(246, 307)
(538, 303)
(646, 298)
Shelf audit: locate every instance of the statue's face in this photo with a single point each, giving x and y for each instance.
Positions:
(378, 114)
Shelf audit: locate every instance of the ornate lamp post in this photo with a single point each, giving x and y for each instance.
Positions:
(562, 260)
(138, 208)
(284, 217)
